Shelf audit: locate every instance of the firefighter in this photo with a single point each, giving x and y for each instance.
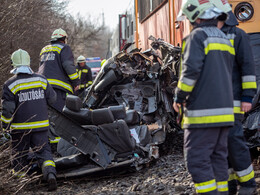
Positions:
(25, 114)
(204, 91)
(57, 65)
(85, 75)
(244, 88)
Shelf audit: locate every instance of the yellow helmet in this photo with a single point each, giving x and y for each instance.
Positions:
(81, 59)
(21, 62)
(57, 34)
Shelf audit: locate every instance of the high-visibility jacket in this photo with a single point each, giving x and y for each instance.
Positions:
(24, 102)
(57, 65)
(205, 82)
(85, 76)
(243, 76)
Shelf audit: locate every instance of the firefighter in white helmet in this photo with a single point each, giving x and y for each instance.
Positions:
(85, 75)
(57, 64)
(244, 88)
(25, 116)
(204, 91)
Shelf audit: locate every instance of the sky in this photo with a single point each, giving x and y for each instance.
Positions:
(94, 8)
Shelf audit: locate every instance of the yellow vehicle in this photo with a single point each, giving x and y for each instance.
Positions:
(247, 13)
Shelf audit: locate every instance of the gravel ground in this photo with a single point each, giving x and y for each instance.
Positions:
(167, 175)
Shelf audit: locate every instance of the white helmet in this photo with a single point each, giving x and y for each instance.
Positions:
(57, 34)
(81, 59)
(193, 9)
(21, 62)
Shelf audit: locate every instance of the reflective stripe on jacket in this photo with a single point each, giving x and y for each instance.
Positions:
(243, 75)
(57, 65)
(205, 82)
(24, 102)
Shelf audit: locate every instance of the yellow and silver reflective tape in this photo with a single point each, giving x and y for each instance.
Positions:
(245, 175)
(30, 125)
(48, 163)
(222, 186)
(74, 76)
(206, 186)
(6, 120)
(61, 84)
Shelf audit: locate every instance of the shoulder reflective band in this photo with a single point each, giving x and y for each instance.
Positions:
(51, 48)
(61, 84)
(218, 44)
(30, 125)
(30, 83)
(249, 82)
(222, 186)
(74, 76)
(206, 186)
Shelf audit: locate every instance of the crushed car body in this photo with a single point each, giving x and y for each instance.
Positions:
(125, 117)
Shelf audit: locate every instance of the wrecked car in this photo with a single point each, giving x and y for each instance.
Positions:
(126, 115)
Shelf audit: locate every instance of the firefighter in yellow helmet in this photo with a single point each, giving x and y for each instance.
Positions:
(25, 115)
(244, 88)
(204, 91)
(57, 65)
(85, 75)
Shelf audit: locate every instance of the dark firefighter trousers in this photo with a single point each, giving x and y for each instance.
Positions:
(239, 157)
(38, 142)
(61, 99)
(205, 154)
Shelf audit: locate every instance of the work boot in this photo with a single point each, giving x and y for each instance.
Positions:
(52, 183)
(247, 191)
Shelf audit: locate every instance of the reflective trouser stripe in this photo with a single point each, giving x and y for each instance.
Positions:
(222, 186)
(5, 120)
(56, 140)
(48, 163)
(245, 175)
(232, 176)
(207, 186)
(18, 174)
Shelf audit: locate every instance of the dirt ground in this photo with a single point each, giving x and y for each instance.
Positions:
(166, 176)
